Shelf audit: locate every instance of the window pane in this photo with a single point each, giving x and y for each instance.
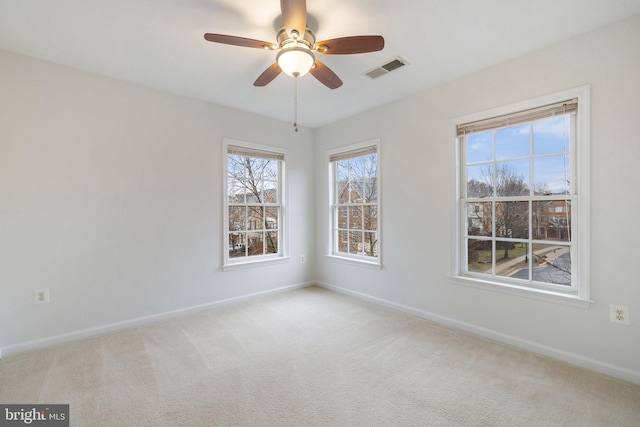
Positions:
(253, 191)
(479, 219)
(512, 142)
(539, 217)
(551, 175)
(512, 220)
(255, 243)
(370, 217)
(237, 245)
(512, 178)
(235, 191)
(363, 179)
(269, 192)
(552, 220)
(355, 218)
(255, 220)
(480, 181)
(343, 241)
(551, 135)
(343, 216)
(371, 244)
(479, 256)
(271, 246)
(355, 242)
(552, 264)
(270, 171)
(342, 181)
(364, 190)
(505, 251)
(520, 266)
(559, 227)
(364, 166)
(356, 194)
(480, 147)
(236, 166)
(371, 190)
(511, 258)
(271, 217)
(257, 167)
(237, 216)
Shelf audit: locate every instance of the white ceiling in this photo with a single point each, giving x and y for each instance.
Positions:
(159, 43)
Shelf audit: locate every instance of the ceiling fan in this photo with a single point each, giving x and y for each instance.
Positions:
(297, 47)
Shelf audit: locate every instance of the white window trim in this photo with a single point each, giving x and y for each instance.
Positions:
(362, 261)
(229, 264)
(356, 262)
(581, 155)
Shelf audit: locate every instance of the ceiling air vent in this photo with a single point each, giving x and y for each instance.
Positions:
(386, 68)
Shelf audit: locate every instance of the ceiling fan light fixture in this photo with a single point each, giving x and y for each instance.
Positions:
(297, 48)
(295, 61)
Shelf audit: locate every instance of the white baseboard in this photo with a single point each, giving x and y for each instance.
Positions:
(564, 356)
(140, 321)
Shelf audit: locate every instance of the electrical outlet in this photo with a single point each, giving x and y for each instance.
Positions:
(619, 314)
(302, 259)
(41, 296)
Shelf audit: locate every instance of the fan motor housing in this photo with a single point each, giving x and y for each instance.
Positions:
(308, 38)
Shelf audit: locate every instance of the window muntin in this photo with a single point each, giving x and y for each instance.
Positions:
(355, 203)
(254, 205)
(516, 200)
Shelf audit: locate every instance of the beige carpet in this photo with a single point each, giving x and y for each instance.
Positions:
(311, 358)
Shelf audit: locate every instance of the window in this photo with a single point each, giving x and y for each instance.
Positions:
(254, 204)
(355, 220)
(514, 168)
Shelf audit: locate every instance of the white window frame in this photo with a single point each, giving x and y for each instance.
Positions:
(579, 295)
(335, 211)
(229, 263)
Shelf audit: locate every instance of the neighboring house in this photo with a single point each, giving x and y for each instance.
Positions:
(254, 222)
(552, 220)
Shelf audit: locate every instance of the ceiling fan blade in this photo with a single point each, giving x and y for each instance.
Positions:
(294, 15)
(268, 75)
(325, 75)
(239, 41)
(347, 45)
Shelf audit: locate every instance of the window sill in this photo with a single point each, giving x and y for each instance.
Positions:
(521, 291)
(357, 262)
(255, 263)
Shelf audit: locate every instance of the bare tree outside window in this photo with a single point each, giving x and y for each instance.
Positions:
(356, 211)
(254, 205)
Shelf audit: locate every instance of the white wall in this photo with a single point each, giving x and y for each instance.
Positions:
(418, 164)
(111, 197)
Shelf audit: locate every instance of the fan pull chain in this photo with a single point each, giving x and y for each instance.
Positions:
(295, 103)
